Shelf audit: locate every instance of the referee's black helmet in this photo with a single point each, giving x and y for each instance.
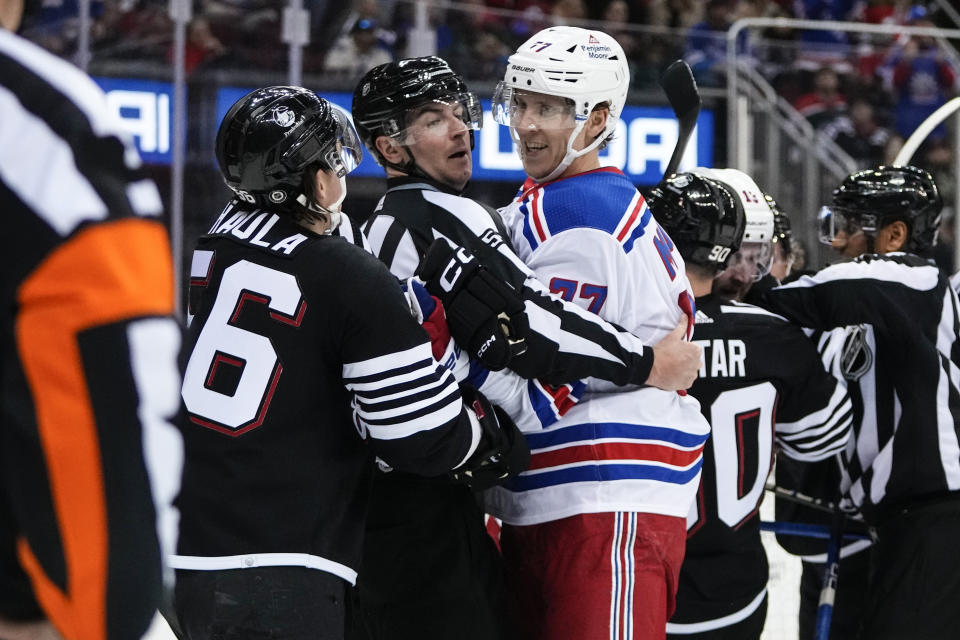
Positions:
(889, 193)
(386, 93)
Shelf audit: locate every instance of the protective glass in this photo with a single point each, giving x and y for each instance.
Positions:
(342, 154)
(753, 260)
(441, 118)
(521, 109)
(833, 220)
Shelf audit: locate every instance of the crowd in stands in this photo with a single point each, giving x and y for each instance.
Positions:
(867, 92)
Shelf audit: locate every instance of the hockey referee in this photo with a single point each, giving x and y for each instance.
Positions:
(902, 468)
(89, 359)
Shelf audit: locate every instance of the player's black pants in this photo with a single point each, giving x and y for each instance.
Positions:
(266, 603)
(429, 570)
(914, 591)
(849, 600)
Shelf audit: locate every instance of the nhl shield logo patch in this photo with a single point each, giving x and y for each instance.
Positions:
(857, 356)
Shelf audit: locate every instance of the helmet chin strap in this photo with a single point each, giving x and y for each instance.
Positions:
(331, 213)
(571, 153)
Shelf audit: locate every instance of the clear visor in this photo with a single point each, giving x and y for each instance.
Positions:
(342, 156)
(752, 261)
(522, 109)
(438, 119)
(832, 221)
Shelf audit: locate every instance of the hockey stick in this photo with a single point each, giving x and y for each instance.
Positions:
(807, 501)
(926, 127)
(806, 530)
(681, 90)
(831, 576)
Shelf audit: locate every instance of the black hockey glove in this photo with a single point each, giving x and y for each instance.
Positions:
(484, 313)
(502, 452)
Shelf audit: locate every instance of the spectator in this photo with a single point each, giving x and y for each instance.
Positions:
(476, 43)
(706, 48)
(826, 102)
(858, 133)
(938, 158)
(819, 47)
(922, 78)
(203, 48)
(616, 18)
(567, 12)
(353, 54)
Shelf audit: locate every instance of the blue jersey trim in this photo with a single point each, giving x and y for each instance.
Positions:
(478, 374)
(601, 430)
(638, 231)
(603, 473)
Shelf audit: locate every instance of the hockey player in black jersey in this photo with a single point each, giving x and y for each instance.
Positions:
(902, 467)
(305, 363)
(763, 388)
(440, 578)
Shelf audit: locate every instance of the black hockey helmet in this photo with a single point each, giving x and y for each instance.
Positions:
(703, 218)
(386, 93)
(873, 198)
(271, 137)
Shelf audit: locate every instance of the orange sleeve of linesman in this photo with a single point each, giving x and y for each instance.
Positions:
(89, 459)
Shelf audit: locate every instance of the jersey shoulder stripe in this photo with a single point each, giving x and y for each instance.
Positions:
(749, 309)
(906, 270)
(603, 199)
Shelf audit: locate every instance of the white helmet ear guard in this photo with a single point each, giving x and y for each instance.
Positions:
(759, 227)
(585, 66)
(757, 248)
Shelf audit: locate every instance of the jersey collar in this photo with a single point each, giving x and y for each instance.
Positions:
(402, 183)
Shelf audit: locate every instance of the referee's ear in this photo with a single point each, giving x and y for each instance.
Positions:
(892, 237)
(11, 12)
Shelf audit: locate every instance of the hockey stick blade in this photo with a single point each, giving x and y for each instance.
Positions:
(681, 90)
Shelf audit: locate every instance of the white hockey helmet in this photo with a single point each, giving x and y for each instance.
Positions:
(759, 229)
(585, 66)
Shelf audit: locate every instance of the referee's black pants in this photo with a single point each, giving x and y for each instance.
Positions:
(914, 591)
(429, 571)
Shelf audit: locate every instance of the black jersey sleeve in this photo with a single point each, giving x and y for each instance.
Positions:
(814, 413)
(872, 289)
(406, 404)
(565, 343)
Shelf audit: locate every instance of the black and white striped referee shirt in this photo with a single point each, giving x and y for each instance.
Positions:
(900, 361)
(89, 357)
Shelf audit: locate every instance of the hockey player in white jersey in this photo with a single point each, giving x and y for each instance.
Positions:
(593, 534)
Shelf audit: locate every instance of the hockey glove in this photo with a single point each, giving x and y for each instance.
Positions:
(484, 313)
(502, 451)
